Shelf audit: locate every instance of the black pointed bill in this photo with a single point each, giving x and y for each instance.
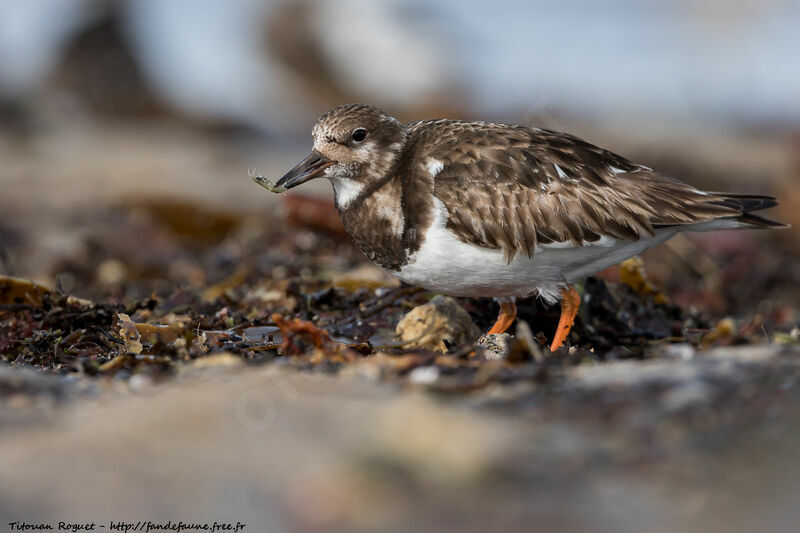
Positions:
(309, 168)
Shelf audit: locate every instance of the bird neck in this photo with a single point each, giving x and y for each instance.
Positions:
(375, 220)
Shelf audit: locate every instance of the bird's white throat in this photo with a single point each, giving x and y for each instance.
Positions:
(345, 190)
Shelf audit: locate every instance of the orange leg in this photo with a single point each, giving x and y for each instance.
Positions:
(508, 312)
(570, 301)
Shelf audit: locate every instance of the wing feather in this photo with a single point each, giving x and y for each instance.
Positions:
(513, 188)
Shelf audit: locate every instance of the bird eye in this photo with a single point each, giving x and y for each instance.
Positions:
(359, 134)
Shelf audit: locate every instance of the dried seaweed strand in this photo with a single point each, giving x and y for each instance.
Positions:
(264, 182)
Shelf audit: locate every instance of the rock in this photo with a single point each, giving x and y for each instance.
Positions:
(725, 329)
(517, 348)
(140, 384)
(427, 326)
(682, 350)
(495, 346)
(424, 375)
(111, 272)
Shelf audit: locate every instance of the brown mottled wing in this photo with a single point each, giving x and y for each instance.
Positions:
(510, 187)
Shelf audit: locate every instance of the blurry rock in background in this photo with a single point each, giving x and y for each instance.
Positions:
(268, 65)
(32, 35)
(276, 64)
(358, 50)
(115, 100)
(101, 74)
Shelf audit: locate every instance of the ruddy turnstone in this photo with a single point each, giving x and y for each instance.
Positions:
(494, 210)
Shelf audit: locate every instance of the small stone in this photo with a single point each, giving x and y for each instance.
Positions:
(724, 329)
(424, 375)
(495, 346)
(427, 326)
(683, 350)
(112, 272)
(140, 383)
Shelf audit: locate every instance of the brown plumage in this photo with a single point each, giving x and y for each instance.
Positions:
(480, 209)
(511, 188)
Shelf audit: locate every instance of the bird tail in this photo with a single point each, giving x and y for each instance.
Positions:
(745, 204)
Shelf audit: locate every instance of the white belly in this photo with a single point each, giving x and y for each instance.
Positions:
(446, 265)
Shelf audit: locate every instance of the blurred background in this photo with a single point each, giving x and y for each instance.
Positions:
(127, 131)
(103, 101)
(106, 103)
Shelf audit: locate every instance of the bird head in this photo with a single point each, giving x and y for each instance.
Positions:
(354, 144)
